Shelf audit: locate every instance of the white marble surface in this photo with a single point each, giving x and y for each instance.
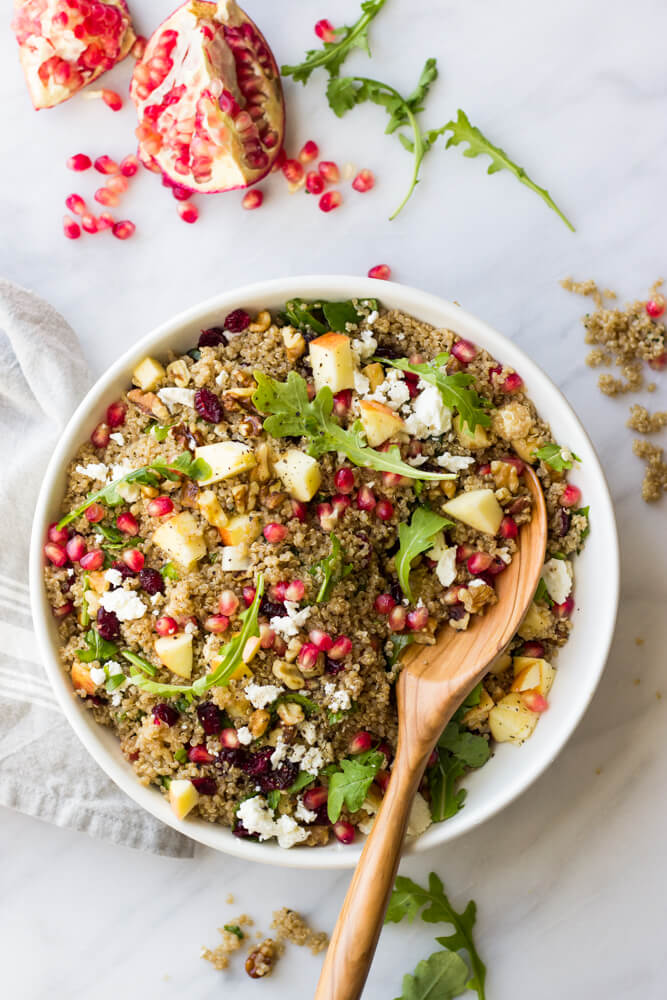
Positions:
(570, 879)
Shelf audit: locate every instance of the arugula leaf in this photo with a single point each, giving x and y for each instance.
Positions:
(138, 661)
(169, 572)
(235, 929)
(350, 784)
(441, 976)
(584, 512)
(273, 798)
(159, 431)
(320, 317)
(454, 389)
(332, 55)
(415, 538)
(399, 641)
(98, 648)
(292, 414)
(408, 898)
(472, 750)
(303, 779)
(478, 144)
(308, 705)
(552, 455)
(330, 570)
(113, 682)
(84, 614)
(542, 594)
(446, 799)
(181, 755)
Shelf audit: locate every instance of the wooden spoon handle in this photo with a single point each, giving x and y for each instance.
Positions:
(359, 924)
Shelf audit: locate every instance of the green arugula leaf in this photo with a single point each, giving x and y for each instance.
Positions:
(542, 594)
(478, 144)
(138, 661)
(443, 776)
(307, 704)
(235, 929)
(552, 455)
(320, 317)
(350, 784)
(441, 976)
(159, 431)
(181, 755)
(415, 538)
(291, 414)
(273, 798)
(84, 614)
(408, 899)
(330, 570)
(399, 641)
(98, 648)
(454, 389)
(332, 55)
(472, 750)
(169, 572)
(584, 512)
(114, 681)
(303, 779)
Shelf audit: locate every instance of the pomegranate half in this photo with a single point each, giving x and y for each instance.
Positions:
(209, 100)
(64, 44)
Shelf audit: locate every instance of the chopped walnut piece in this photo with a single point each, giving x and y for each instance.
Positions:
(148, 402)
(475, 596)
(262, 959)
(295, 345)
(505, 475)
(513, 420)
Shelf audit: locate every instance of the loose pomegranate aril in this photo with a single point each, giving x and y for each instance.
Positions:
(512, 383)
(330, 200)
(117, 184)
(655, 307)
(384, 510)
(100, 436)
(166, 713)
(275, 533)
(200, 755)
(116, 413)
(295, 591)
(294, 173)
(134, 559)
(299, 510)
(208, 406)
(236, 321)
(63, 610)
(92, 560)
(55, 554)
(508, 528)
(340, 502)
(248, 596)
(179, 192)
(384, 603)
(325, 30)
(107, 624)
(327, 516)
(216, 624)
(363, 182)
(344, 831)
(418, 619)
(485, 470)
(366, 498)
(309, 151)
(462, 552)
(76, 204)
(322, 640)
(393, 479)
(210, 717)
(464, 351)
(565, 609)
(397, 618)
(308, 656)
(571, 496)
(57, 535)
(381, 271)
(124, 229)
(342, 402)
(187, 211)
(535, 701)
(112, 100)
(252, 199)
(360, 742)
(228, 602)
(344, 480)
(315, 797)
(94, 513)
(160, 506)
(229, 738)
(496, 567)
(105, 165)
(71, 229)
(105, 221)
(127, 523)
(533, 648)
(129, 165)
(89, 223)
(105, 196)
(166, 625)
(341, 648)
(79, 162)
(76, 548)
(150, 579)
(267, 636)
(314, 183)
(329, 171)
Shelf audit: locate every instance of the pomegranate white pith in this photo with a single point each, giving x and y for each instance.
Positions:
(209, 99)
(64, 44)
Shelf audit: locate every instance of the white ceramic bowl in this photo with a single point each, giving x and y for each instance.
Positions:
(580, 663)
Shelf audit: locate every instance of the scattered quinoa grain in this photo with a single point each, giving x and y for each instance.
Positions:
(291, 926)
(644, 422)
(655, 476)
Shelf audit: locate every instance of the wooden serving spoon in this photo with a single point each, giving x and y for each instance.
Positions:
(433, 682)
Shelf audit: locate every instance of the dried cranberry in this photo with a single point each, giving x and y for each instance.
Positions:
(123, 569)
(151, 581)
(213, 337)
(396, 592)
(240, 831)
(205, 786)
(281, 778)
(486, 577)
(210, 717)
(388, 352)
(272, 609)
(107, 624)
(208, 406)
(456, 611)
(166, 713)
(258, 763)
(321, 816)
(562, 522)
(233, 757)
(236, 321)
(333, 667)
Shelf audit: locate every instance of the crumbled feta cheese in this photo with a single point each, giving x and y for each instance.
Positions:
(366, 345)
(279, 754)
(309, 732)
(70, 572)
(338, 698)
(454, 463)
(361, 383)
(445, 557)
(257, 818)
(172, 397)
(475, 584)
(94, 470)
(114, 577)
(417, 460)
(244, 735)
(117, 437)
(393, 392)
(113, 668)
(156, 598)
(261, 695)
(297, 751)
(312, 761)
(190, 628)
(119, 470)
(124, 603)
(288, 625)
(117, 697)
(97, 675)
(304, 814)
(557, 576)
(430, 416)
(505, 555)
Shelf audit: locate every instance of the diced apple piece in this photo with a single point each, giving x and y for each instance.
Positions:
(532, 674)
(420, 816)
(175, 652)
(81, 679)
(181, 538)
(525, 448)
(226, 458)
(148, 373)
(333, 362)
(480, 439)
(375, 374)
(209, 505)
(500, 664)
(478, 508)
(536, 624)
(510, 721)
(241, 528)
(379, 421)
(479, 713)
(183, 797)
(300, 474)
(235, 558)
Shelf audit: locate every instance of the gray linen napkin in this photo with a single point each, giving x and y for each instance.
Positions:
(44, 770)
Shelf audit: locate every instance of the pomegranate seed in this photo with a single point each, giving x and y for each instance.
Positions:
(94, 513)
(299, 510)
(180, 193)
(123, 230)
(57, 535)
(363, 182)
(322, 640)
(228, 602)
(366, 498)
(116, 413)
(344, 480)
(63, 610)
(79, 162)
(118, 184)
(485, 470)
(89, 223)
(329, 171)
(252, 199)
(279, 591)
(382, 780)
(134, 560)
(342, 402)
(496, 567)
(248, 596)
(381, 271)
(314, 798)
(508, 528)
(535, 649)
(127, 523)
(384, 603)
(309, 151)
(112, 100)
(330, 200)
(139, 47)
(187, 211)
(340, 503)
(565, 609)
(129, 165)
(464, 351)
(660, 363)
(55, 554)
(397, 618)
(275, 533)
(308, 656)
(535, 701)
(417, 619)
(165, 625)
(200, 755)
(325, 30)
(512, 383)
(216, 623)
(160, 506)
(100, 436)
(360, 742)
(344, 831)
(105, 196)
(295, 591)
(394, 479)
(293, 172)
(76, 204)
(229, 738)
(655, 307)
(571, 496)
(76, 548)
(518, 464)
(71, 229)
(105, 165)
(267, 636)
(314, 183)
(462, 552)
(384, 510)
(92, 560)
(327, 516)
(105, 221)
(341, 648)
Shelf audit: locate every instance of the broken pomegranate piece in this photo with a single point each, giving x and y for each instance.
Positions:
(64, 44)
(209, 100)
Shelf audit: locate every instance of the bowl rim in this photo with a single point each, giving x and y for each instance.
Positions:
(394, 295)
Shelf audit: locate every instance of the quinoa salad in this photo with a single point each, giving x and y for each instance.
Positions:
(258, 528)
